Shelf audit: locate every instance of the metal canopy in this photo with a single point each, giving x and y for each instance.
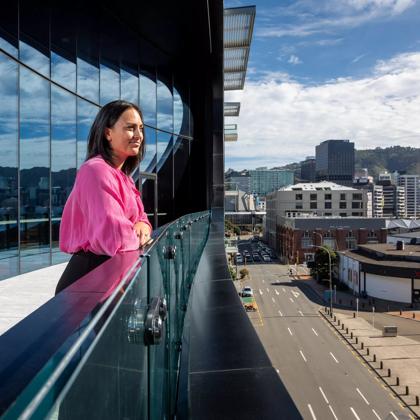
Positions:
(238, 28)
(232, 109)
(231, 132)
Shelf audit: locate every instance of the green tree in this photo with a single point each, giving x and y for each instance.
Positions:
(321, 268)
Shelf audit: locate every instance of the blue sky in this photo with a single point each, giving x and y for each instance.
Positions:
(323, 69)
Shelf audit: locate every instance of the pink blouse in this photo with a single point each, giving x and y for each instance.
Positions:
(101, 211)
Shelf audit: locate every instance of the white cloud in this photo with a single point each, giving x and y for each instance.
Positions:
(294, 59)
(283, 121)
(358, 58)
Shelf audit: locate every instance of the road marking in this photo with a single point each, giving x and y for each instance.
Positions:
(277, 371)
(274, 300)
(315, 332)
(312, 412)
(355, 414)
(290, 331)
(336, 361)
(376, 414)
(323, 394)
(364, 398)
(393, 415)
(332, 411)
(303, 356)
(261, 292)
(277, 292)
(263, 280)
(301, 313)
(280, 313)
(291, 300)
(284, 290)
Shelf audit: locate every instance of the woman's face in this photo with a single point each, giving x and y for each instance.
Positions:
(126, 136)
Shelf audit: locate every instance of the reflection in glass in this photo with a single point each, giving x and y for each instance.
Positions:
(148, 99)
(87, 80)
(34, 171)
(165, 177)
(9, 28)
(63, 71)
(86, 113)
(63, 154)
(110, 84)
(164, 107)
(8, 167)
(178, 112)
(34, 58)
(148, 163)
(129, 87)
(164, 148)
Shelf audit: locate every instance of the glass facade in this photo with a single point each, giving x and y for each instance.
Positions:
(56, 71)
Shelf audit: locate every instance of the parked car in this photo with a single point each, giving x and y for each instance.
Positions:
(239, 259)
(246, 292)
(266, 258)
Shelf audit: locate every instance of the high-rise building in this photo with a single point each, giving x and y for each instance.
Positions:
(393, 197)
(308, 169)
(411, 185)
(264, 181)
(335, 161)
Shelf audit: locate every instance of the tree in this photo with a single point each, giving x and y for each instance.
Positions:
(244, 273)
(321, 268)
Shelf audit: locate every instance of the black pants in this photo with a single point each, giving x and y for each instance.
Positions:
(80, 264)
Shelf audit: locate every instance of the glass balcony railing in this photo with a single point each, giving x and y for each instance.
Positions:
(109, 346)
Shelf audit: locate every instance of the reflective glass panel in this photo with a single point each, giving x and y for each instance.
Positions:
(34, 27)
(34, 171)
(129, 87)
(8, 167)
(9, 27)
(87, 80)
(182, 187)
(148, 164)
(164, 107)
(148, 98)
(148, 196)
(164, 148)
(165, 178)
(63, 71)
(110, 84)
(178, 112)
(63, 154)
(86, 113)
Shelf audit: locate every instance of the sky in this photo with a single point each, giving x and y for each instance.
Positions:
(327, 69)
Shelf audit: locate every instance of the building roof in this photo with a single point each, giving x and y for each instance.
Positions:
(317, 186)
(403, 223)
(332, 222)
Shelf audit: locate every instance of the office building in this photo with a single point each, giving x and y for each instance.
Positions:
(335, 162)
(264, 181)
(411, 185)
(393, 197)
(239, 180)
(308, 169)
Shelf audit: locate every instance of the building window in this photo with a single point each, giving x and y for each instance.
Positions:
(327, 205)
(328, 214)
(357, 214)
(313, 197)
(298, 206)
(351, 242)
(313, 205)
(343, 214)
(299, 196)
(356, 205)
(343, 205)
(327, 196)
(357, 196)
(342, 196)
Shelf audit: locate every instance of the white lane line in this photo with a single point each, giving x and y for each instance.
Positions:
(284, 290)
(376, 414)
(277, 292)
(291, 300)
(315, 332)
(332, 411)
(303, 356)
(323, 394)
(280, 313)
(274, 300)
(268, 290)
(261, 292)
(301, 313)
(354, 413)
(336, 361)
(263, 280)
(364, 398)
(290, 331)
(393, 415)
(312, 412)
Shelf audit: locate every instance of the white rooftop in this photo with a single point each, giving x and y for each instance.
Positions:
(317, 186)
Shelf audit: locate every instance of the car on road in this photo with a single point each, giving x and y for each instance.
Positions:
(247, 292)
(266, 258)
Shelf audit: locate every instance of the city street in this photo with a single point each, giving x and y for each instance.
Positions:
(323, 376)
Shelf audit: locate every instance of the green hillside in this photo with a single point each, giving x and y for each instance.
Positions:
(402, 159)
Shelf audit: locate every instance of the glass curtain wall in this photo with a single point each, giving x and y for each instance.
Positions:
(57, 69)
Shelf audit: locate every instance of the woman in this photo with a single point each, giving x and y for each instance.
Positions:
(104, 213)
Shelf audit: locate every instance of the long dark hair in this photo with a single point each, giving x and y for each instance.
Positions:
(107, 116)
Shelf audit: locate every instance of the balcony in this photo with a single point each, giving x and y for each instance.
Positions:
(154, 334)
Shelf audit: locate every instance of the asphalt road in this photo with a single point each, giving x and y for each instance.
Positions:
(324, 378)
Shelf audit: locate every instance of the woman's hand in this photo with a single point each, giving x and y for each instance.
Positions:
(143, 232)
